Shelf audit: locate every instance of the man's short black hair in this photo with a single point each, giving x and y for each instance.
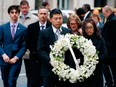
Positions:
(13, 7)
(55, 11)
(87, 7)
(80, 11)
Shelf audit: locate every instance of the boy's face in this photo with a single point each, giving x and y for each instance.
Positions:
(14, 14)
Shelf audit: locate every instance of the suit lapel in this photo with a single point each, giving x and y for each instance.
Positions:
(48, 24)
(63, 31)
(38, 26)
(51, 35)
(8, 30)
(17, 30)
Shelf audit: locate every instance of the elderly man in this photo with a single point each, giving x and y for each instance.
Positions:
(109, 35)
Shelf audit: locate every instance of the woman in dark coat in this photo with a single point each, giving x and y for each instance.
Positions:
(91, 32)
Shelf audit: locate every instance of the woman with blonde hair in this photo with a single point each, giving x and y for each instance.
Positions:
(74, 23)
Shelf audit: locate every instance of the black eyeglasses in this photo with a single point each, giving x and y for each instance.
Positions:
(89, 27)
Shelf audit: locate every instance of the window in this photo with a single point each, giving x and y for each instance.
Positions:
(100, 3)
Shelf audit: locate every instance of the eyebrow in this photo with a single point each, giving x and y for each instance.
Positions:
(13, 12)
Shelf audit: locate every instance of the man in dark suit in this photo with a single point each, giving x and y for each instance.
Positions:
(109, 35)
(12, 47)
(48, 37)
(31, 43)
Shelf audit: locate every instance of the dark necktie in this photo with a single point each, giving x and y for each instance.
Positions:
(42, 27)
(13, 31)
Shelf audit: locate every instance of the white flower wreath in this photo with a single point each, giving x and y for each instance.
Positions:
(81, 72)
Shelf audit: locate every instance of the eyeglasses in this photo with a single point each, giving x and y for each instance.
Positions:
(89, 27)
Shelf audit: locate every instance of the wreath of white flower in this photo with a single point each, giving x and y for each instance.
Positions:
(65, 72)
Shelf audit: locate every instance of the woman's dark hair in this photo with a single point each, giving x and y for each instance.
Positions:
(96, 31)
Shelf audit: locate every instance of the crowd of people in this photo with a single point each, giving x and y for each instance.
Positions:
(28, 37)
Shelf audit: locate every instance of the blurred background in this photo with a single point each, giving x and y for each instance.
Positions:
(62, 4)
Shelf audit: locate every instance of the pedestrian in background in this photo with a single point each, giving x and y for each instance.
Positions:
(109, 34)
(87, 9)
(98, 22)
(12, 47)
(46, 5)
(26, 18)
(31, 43)
(81, 13)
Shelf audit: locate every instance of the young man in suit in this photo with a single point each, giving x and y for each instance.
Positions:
(48, 37)
(31, 43)
(12, 47)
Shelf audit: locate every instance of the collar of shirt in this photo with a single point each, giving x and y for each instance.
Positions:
(86, 14)
(27, 16)
(16, 24)
(54, 29)
(43, 24)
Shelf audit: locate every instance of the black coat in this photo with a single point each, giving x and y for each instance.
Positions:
(46, 39)
(109, 35)
(96, 80)
(32, 36)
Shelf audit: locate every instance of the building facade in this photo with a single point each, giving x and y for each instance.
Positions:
(62, 4)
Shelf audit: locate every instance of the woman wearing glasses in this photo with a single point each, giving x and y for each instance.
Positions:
(91, 32)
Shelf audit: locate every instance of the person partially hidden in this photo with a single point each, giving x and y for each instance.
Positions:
(69, 59)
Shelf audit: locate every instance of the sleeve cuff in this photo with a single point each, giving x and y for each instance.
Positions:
(4, 55)
(16, 57)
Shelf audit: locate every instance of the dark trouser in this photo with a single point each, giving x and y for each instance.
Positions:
(113, 69)
(10, 74)
(36, 79)
(50, 81)
(53, 81)
(27, 70)
(107, 75)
